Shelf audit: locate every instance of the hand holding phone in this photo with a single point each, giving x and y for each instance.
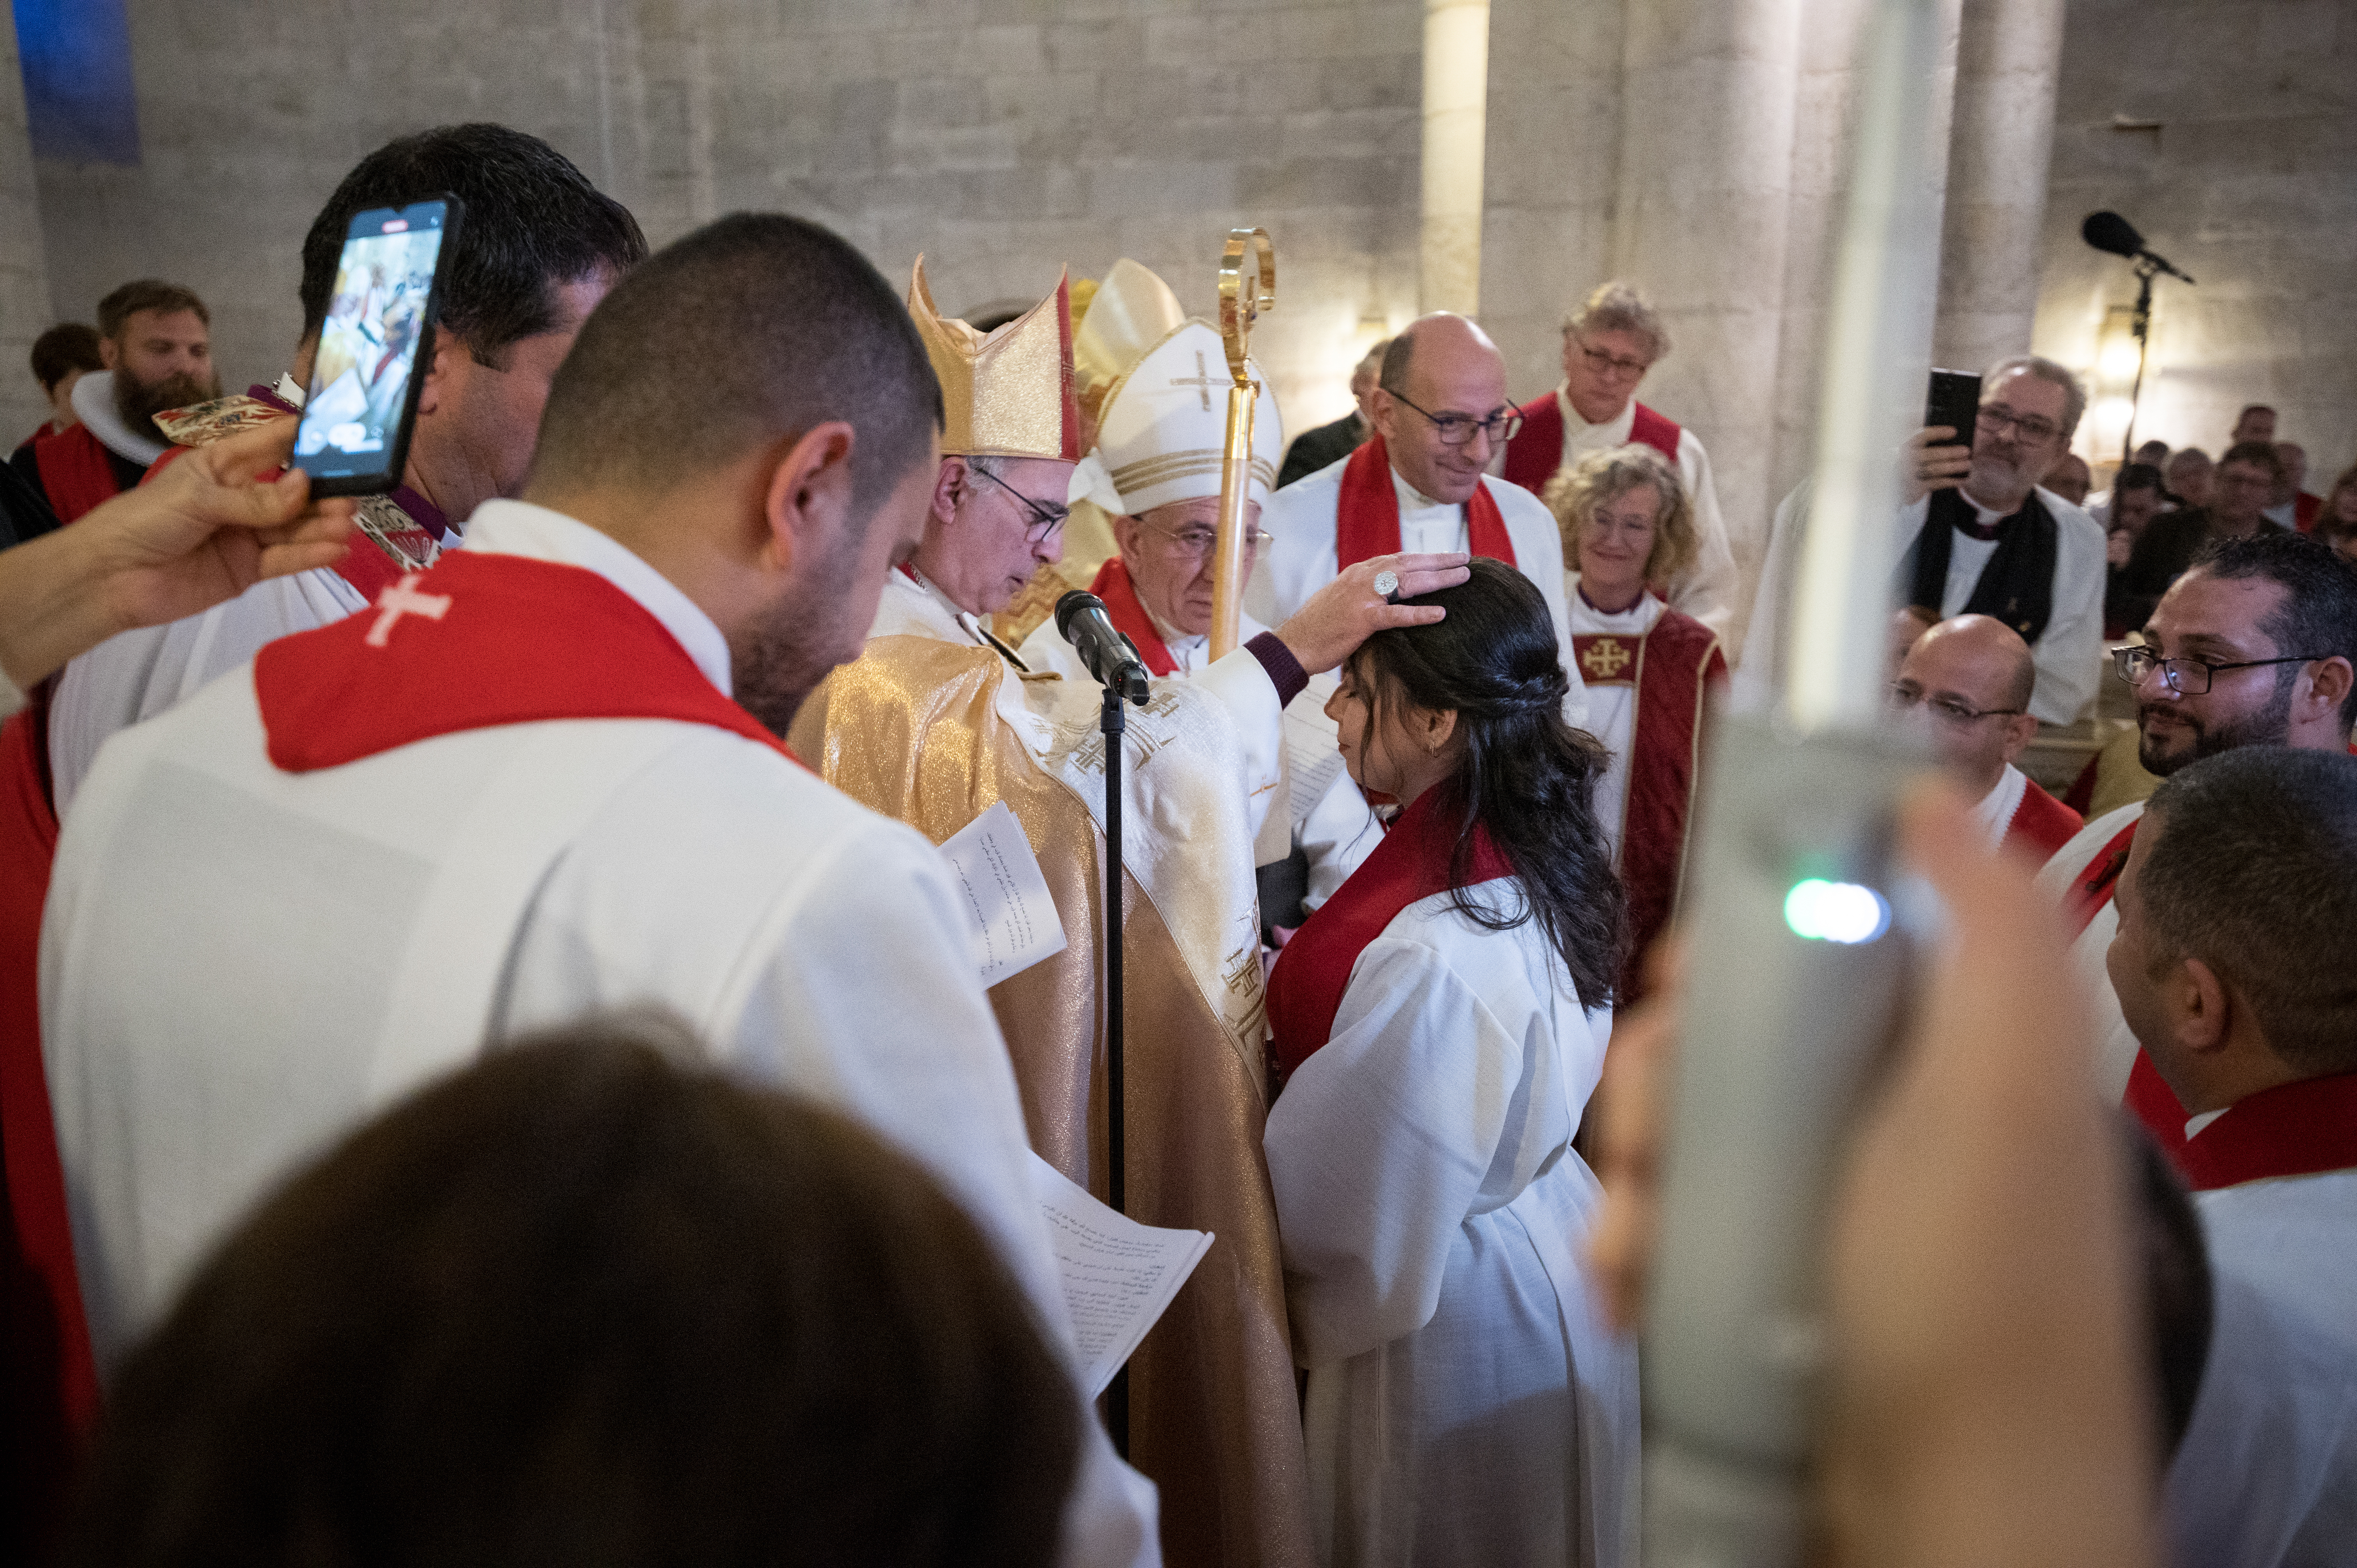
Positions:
(373, 348)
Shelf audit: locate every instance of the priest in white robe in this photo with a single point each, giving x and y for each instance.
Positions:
(2249, 1022)
(1161, 442)
(1417, 485)
(346, 868)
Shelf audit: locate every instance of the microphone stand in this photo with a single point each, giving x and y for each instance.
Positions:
(1110, 722)
(2140, 325)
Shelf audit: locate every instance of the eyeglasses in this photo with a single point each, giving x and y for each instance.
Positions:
(1045, 520)
(1905, 698)
(1195, 543)
(1605, 364)
(2189, 677)
(1457, 429)
(2031, 427)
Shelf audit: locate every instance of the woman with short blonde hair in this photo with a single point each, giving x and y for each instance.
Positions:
(1600, 476)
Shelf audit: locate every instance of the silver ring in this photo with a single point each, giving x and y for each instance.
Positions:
(1386, 585)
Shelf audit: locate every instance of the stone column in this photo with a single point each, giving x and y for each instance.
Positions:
(2009, 56)
(1456, 104)
(1707, 101)
(25, 309)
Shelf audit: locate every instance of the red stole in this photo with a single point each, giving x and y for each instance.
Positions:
(1313, 971)
(475, 641)
(74, 471)
(1669, 668)
(1535, 452)
(2041, 825)
(2292, 1130)
(1367, 519)
(1128, 615)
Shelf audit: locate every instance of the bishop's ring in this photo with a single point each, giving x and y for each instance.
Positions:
(1387, 584)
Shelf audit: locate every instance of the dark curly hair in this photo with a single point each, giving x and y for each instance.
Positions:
(1528, 778)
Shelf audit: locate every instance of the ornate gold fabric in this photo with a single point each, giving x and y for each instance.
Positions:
(1009, 394)
(919, 730)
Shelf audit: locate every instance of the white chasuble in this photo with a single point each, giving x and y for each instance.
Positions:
(240, 964)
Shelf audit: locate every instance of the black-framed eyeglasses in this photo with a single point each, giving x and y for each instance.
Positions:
(1045, 520)
(2189, 677)
(1457, 429)
(1197, 543)
(1605, 364)
(2033, 427)
(1905, 697)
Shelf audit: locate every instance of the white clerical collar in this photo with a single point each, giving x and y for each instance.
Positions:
(2196, 1125)
(1412, 500)
(537, 533)
(94, 402)
(1616, 429)
(1989, 517)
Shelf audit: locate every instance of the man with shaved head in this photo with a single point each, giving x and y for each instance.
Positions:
(1971, 676)
(1440, 415)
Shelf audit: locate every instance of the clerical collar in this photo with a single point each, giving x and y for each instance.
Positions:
(1414, 500)
(1616, 428)
(1629, 608)
(1987, 522)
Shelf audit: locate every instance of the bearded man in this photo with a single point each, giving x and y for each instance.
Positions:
(156, 343)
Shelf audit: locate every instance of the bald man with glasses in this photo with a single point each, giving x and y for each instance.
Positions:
(1418, 485)
(1967, 681)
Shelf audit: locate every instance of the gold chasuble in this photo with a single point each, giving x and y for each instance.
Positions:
(933, 733)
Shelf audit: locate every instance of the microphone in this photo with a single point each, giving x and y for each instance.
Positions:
(1081, 620)
(2110, 232)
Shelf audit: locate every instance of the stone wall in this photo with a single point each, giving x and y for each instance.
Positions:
(2228, 134)
(23, 271)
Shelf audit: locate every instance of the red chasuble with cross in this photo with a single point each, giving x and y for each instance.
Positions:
(1669, 672)
(479, 640)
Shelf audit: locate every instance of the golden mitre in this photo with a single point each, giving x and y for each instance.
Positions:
(1009, 394)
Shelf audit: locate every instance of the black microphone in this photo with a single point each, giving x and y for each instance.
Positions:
(1081, 620)
(2110, 232)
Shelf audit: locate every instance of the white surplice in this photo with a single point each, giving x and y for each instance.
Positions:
(2266, 1476)
(1336, 833)
(1301, 559)
(1711, 589)
(1466, 1403)
(1612, 710)
(132, 677)
(240, 965)
(2115, 1043)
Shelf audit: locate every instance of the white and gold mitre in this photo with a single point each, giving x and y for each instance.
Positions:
(1009, 394)
(1162, 428)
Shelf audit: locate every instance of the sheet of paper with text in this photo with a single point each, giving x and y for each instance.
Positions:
(1015, 919)
(1119, 1276)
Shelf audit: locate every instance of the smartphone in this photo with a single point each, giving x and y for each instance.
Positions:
(1956, 401)
(366, 375)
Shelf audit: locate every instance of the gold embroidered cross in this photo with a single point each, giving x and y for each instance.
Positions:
(1604, 658)
(1200, 380)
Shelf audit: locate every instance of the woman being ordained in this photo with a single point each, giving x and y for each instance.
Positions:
(1439, 1024)
(1627, 526)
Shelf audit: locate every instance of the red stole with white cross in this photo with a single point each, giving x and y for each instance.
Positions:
(1367, 519)
(1313, 970)
(1669, 668)
(479, 640)
(1127, 613)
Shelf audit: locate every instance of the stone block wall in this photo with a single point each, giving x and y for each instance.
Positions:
(23, 268)
(2227, 133)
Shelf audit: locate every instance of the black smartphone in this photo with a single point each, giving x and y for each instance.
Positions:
(365, 376)
(1956, 401)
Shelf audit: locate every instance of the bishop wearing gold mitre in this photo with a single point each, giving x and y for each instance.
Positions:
(936, 722)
